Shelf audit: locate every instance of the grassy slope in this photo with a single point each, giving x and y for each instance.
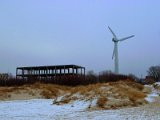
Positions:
(107, 95)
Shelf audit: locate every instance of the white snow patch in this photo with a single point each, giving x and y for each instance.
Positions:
(157, 83)
(151, 97)
(42, 109)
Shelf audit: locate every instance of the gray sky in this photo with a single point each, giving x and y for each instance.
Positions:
(51, 32)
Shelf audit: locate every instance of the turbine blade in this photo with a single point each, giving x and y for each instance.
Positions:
(114, 35)
(113, 52)
(126, 38)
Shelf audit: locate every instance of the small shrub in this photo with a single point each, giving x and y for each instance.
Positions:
(65, 101)
(46, 94)
(31, 93)
(9, 96)
(101, 102)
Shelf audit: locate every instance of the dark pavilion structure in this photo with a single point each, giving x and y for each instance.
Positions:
(50, 72)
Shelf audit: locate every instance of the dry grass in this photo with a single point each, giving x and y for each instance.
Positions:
(45, 90)
(46, 94)
(101, 102)
(84, 90)
(108, 95)
(131, 90)
(49, 90)
(134, 85)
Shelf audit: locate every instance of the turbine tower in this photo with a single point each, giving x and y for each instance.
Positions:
(115, 51)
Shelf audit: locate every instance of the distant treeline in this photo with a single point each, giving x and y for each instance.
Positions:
(90, 78)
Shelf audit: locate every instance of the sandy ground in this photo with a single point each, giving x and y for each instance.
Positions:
(8, 94)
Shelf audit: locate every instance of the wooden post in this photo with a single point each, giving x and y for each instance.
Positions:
(84, 73)
(23, 73)
(46, 73)
(81, 71)
(60, 71)
(64, 71)
(16, 73)
(76, 70)
(55, 72)
(39, 74)
(73, 70)
(52, 71)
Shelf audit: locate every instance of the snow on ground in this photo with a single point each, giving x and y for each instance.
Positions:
(154, 92)
(42, 109)
(158, 83)
(150, 97)
(38, 109)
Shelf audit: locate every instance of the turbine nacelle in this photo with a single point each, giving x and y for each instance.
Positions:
(114, 40)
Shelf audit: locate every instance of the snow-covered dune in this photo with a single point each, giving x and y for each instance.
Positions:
(77, 108)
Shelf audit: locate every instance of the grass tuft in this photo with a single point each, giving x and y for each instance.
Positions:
(101, 102)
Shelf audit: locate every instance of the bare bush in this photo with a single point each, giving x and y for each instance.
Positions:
(154, 72)
(108, 76)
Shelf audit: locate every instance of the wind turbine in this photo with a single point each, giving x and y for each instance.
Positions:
(115, 51)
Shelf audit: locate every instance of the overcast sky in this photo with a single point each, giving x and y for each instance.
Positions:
(55, 32)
